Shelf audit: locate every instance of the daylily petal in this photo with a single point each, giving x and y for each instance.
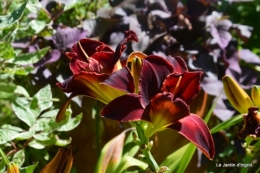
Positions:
(76, 66)
(178, 63)
(129, 36)
(194, 129)
(154, 71)
(118, 110)
(90, 83)
(185, 86)
(121, 79)
(87, 47)
(164, 110)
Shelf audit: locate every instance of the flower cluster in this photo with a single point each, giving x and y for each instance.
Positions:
(156, 90)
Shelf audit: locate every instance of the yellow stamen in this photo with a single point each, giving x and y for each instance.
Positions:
(86, 55)
(177, 85)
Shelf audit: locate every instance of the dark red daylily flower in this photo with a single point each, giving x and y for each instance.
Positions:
(91, 63)
(166, 88)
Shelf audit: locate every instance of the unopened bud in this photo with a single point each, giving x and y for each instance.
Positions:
(238, 98)
(136, 70)
(12, 168)
(255, 94)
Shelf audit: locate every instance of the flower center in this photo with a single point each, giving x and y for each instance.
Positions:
(82, 50)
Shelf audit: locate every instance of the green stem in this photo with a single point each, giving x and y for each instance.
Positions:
(248, 159)
(151, 162)
(4, 157)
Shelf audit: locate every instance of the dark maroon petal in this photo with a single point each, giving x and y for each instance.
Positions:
(185, 86)
(154, 72)
(105, 60)
(129, 36)
(178, 64)
(77, 66)
(121, 79)
(194, 129)
(126, 108)
(164, 110)
(89, 47)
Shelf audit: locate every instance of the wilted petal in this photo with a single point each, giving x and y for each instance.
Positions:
(154, 71)
(61, 114)
(126, 108)
(194, 129)
(61, 163)
(251, 125)
(185, 86)
(178, 64)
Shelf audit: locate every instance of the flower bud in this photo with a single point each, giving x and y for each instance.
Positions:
(12, 168)
(238, 98)
(136, 70)
(61, 163)
(255, 94)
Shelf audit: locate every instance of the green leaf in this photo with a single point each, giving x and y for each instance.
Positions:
(13, 17)
(2, 166)
(71, 124)
(26, 135)
(62, 142)
(36, 144)
(226, 124)
(111, 154)
(128, 161)
(130, 147)
(8, 133)
(37, 25)
(50, 114)
(17, 70)
(43, 97)
(34, 5)
(29, 58)
(8, 33)
(12, 89)
(19, 158)
(28, 169)
(47, 122)
(71, 4)
(173, 160)
(6, 51)
(23, 112)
